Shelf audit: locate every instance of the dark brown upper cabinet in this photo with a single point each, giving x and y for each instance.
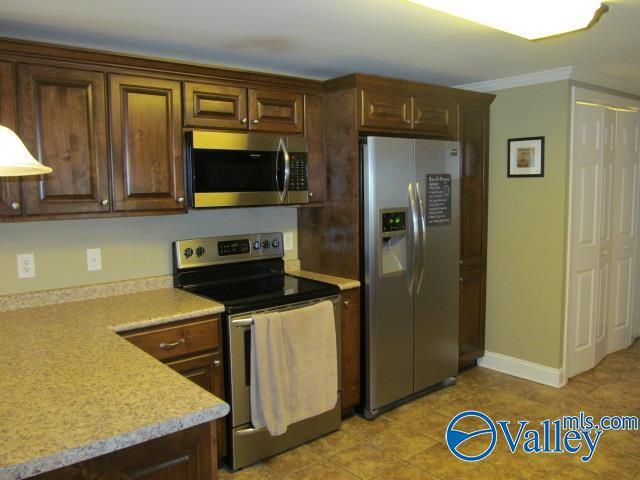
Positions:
(434, 116)
(474, 126)
(382, 110)
(63, 123)
(146, 142)
(9, 187)
(275, 111)
(215, 106)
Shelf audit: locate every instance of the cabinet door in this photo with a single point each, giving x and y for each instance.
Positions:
(350, 331)
(207, 371)
(474, 140)
(434, 116)
(146, 130)
(273, 111)
(184, 455)
(383, 110)
(9, 186)
(472, 314)
(215, 106)
(63, 124)
(314, 129)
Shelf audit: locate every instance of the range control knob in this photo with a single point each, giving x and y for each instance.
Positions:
(266, 244)
(200, 251)
(275, 243)
(188, 252)
(256, 245)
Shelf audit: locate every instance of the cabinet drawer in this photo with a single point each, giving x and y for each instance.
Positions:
(178, 340)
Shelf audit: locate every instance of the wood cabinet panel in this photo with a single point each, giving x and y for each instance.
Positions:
(383, 110)
(472, 316)
(215, 106)
(275, 111)
(184, 455)
(146, 130)
(314, 131)
(351, 367)
(173, 341)
(63, 124)
(207, 371)
(474, 145)
(10, 201)
(434, 116)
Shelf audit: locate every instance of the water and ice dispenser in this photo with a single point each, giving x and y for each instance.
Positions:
(392, 243)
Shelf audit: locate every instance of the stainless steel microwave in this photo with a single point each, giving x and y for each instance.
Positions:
(243, 169)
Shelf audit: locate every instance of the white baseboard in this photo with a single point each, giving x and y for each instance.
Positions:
(554, 377)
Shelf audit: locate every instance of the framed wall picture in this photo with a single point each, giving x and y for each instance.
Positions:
(525, 157)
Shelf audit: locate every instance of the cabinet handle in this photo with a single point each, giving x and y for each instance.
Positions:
(217, 363)
(15, 206)
(169, 346)
(180, 200)
(346, 303)
(243, 121)
(104, 202)
(255, 122)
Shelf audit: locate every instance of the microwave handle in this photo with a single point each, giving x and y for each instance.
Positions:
(287, 170)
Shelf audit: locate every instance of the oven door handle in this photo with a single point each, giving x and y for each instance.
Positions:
(242, 322)
(249, 431)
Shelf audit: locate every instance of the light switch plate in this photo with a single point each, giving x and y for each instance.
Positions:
(288, 240)
(26, 265)
(94, 259)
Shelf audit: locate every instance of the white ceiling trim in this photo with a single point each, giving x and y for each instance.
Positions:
(535, 78)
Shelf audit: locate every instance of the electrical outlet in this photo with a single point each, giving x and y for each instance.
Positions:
(288, 240)
(26, 265)
(94, 259)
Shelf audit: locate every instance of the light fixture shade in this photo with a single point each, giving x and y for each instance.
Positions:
(531, 19)
(15, 159)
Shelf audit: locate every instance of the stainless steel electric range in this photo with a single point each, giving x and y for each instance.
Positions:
(246, 274)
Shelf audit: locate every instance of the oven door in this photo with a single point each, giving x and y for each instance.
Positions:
(239, 342)
(239, 169)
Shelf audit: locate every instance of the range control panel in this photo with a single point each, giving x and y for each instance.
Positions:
(200, 252)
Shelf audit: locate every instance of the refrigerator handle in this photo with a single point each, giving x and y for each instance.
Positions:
(416, 238)
(423, 231)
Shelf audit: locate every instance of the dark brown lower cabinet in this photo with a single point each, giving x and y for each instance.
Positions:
(472, 316)
(184, 455)
(350, 350)
(206, 371)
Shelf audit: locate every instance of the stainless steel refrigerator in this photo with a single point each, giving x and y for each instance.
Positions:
(411, 220)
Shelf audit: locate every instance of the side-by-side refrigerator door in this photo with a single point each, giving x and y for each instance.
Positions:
(437, 176)
(388, 166)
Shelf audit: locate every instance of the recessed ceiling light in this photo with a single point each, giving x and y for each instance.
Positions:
(531, 19)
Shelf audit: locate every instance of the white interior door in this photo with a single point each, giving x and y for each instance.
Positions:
(584, 240)
(625, 182)
(606, 206)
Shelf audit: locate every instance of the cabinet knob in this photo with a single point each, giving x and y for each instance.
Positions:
(217, 363)
(310, 194)
(626, 247)
(243, 121)
(180, 200)
(15, 206)
(605, 253)
(346, 303)
(460, 279)
(104, 202)
(255, 122)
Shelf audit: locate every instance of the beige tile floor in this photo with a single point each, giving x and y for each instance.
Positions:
(408, 442)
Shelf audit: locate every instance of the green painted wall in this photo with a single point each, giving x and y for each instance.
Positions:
(527, 227)
(132, 247)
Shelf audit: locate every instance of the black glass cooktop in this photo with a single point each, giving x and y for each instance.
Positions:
(255, 289)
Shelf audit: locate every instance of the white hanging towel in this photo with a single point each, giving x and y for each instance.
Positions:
(294, 366)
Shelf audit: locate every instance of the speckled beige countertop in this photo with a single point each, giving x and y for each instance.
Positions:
(343, 283)
(71, 389)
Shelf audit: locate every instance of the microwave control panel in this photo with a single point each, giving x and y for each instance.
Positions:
(298, 172)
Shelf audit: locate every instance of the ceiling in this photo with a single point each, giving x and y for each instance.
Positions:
(328, 38)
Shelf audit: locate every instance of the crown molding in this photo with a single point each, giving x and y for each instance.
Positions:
(545, 76)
